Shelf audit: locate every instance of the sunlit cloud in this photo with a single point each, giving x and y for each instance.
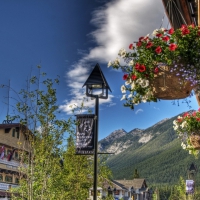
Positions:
(118, 23)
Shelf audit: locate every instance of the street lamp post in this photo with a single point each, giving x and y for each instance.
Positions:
(96, 82)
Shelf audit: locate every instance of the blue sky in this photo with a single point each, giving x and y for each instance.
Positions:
(67, 38)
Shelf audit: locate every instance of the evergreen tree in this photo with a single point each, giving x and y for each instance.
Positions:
(136, 174)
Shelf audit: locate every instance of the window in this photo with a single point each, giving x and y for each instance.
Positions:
(16, 180)
(13, 132)
(17, 131)
(1, 177)
(8, 179)
(116, 192)
(16, 154)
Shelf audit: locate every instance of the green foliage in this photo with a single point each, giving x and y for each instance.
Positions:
(48, 170)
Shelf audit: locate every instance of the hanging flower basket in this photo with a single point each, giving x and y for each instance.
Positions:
(195, 140)
(167, 85)
(188, 130)
(166, 66)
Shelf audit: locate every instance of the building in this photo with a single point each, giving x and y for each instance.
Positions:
(13, 139)
(135, 189)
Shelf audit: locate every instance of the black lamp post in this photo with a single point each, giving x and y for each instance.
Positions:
(96, 82)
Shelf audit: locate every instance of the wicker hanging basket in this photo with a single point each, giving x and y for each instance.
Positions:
(195, 141)
(167, 85)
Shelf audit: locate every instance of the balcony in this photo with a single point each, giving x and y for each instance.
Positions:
(6, 186)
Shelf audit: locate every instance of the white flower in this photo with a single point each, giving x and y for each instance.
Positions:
(123, 97)
(175, 127)
(139, 81)
(184, 146)
(144, 99)
(144, 83)
(132, 85)
(184, 124)
(117, 61)
(109, 63)
(122, 53)
(128, 82)
(155, 32)
(162, 29)
(131, 63)
(175, 123)
(123, 89)
(130, 95)
(190, 151)
(179, 117)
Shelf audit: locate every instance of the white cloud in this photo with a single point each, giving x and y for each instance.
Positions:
(118, 23)
(138, 111)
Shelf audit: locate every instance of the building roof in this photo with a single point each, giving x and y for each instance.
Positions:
(137, 183)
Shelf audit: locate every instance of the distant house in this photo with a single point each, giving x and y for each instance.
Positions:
(13, 139)
(135, 189)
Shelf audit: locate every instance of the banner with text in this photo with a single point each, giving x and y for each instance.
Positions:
(189, 186)
(85, 134)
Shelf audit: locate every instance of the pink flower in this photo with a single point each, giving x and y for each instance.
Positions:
(172, 47)
(158, 50)
(125, 76)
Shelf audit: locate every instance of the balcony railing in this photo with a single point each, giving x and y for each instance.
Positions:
(6, 186)
(12, 162)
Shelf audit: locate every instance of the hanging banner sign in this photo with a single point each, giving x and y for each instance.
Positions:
(85, 134)
(189, 186)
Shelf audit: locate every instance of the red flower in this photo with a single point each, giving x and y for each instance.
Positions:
(146, 38)
(159, 34)
(198, 119)
(125, 76)
(185, 31)
(142, 68)
(165, 38)
(158, 50)
(171, 31)
(149, 45)
(131, 46)
(139, 44)
(199, 109)
(156, 70)
(140, 39)
(192, 25)
(137, 66)
(183, 27)
(133, 77)
(172, 47)
(194, 114)
(186, 114)
(198, 33)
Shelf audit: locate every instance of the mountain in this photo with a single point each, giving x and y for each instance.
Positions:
(155, 152)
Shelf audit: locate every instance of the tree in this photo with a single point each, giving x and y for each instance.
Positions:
(136, 174)
(49, 170)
